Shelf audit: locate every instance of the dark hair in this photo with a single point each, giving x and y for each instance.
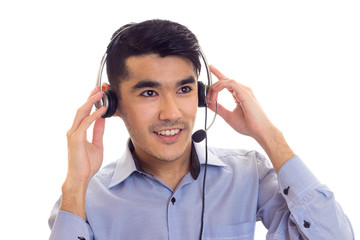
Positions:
(161, 37)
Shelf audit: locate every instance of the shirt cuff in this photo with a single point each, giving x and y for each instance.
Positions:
(68, 226)
(296, 181)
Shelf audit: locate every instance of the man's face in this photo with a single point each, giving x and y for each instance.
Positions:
(158, 105)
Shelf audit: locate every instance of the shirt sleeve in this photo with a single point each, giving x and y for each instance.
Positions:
(68, 226)
(300, 207)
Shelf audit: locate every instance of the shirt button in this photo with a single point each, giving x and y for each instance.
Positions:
(81, 238)
(306, 224)
(173, 200)
(286, 190)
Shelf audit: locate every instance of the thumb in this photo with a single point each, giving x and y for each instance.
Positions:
(98, 131)
(219, 109)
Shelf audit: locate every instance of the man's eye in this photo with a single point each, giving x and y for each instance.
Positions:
(149, 93)
(185, 89)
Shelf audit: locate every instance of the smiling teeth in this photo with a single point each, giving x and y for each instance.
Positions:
(169, 132)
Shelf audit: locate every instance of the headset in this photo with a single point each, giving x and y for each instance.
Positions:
(110, 101)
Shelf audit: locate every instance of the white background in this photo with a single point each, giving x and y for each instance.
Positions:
(301, 59)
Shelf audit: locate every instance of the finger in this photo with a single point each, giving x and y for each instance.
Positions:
(220, 77)
(218, 87)
(217, 73)
(85, 110)
(212, 95)
(85, 124)
(94, 91)
(240, 92)
(99, 128)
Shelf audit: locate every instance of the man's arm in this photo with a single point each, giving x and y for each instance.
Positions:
(68, 226)
(275, 146)
(84, 160)
(84, 157)
(299, 191)
(293, 204)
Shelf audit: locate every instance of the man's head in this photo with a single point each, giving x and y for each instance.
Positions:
(161, 37)
(153, 68)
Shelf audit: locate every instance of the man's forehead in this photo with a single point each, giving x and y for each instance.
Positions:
(156, 68)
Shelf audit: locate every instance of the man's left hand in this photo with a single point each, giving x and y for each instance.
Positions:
(248, 118)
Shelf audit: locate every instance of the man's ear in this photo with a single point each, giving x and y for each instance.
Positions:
(106, 87)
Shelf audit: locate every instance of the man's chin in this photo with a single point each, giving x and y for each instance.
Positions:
(171, 151)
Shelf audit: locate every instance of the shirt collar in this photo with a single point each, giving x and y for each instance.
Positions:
(128, 163)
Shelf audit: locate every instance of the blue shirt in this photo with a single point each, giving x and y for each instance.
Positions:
(124, 202)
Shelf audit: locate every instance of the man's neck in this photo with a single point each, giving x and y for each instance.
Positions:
(171, 172)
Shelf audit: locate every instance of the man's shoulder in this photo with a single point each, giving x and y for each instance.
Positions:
(242, 158)
(104, 175)
(224, 153)
(107, 170)
(230, 154)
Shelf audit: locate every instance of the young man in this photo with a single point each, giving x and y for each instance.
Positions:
(155, 190)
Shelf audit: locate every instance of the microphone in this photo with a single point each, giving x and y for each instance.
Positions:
(199, 135)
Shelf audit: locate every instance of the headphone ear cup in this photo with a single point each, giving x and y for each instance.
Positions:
(110, 98)
(202, 95)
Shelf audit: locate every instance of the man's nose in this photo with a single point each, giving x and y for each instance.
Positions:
(169, 109)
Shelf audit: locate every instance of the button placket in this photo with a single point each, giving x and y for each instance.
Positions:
(172, 213)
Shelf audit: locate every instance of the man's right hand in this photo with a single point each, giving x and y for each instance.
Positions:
(84, 157)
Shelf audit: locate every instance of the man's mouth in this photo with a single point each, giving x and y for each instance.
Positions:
(168, 132)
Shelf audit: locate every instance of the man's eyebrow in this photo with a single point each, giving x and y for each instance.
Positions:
(146, 84)
(154, 84)
(189, 80)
